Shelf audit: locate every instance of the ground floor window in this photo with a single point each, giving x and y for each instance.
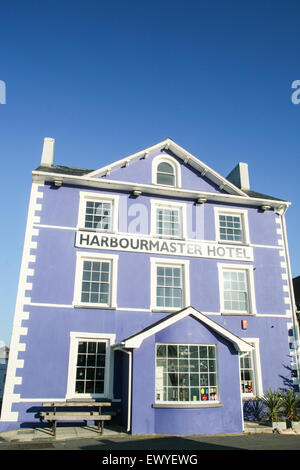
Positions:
(90, 365)
(186, 373)
(250, 371)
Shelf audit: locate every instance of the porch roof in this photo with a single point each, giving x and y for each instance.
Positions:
(135, 341)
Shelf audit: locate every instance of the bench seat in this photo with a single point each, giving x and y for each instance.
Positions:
(73, 416)
(60, 413)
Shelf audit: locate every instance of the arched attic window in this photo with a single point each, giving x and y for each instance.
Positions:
(166, 172)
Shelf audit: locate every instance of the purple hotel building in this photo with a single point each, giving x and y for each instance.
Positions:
(155, 283)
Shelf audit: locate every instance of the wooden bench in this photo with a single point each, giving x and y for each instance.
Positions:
(60, 412)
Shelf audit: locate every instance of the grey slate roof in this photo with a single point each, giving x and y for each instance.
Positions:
(64, 170)
(261, 196)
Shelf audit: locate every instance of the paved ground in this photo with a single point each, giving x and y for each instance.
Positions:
(116, 441)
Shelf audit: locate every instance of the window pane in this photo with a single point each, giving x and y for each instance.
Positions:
(165, 179)
(165, 167)
(172, 351)
(161, 350)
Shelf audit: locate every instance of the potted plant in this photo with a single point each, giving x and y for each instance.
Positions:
(272, 400)
(291, 404)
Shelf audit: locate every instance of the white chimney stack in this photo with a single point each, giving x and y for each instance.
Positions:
(240, 176)
(48, 152)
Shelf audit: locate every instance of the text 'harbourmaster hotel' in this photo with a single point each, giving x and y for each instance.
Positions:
(154, 283)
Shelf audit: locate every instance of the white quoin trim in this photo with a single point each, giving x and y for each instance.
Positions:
(136, 341)
(14, 363)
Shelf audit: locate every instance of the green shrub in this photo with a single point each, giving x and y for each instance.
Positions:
(272, 401)
(290, 404)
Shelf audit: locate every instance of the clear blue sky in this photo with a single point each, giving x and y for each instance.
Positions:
(106, 79)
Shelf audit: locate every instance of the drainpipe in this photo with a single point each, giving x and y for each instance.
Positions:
(293, 305)
(118, 348)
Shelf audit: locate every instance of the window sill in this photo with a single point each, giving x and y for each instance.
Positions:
(230, 242)
(168, 237)
(187, 405)
(249, 397)
(96, 230)
(166, 309)
(241, 314)
(99, 307)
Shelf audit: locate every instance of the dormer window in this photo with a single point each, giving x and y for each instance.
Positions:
(166, 171)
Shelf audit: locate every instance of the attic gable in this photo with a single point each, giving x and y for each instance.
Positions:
(207, 179)
(231, 189)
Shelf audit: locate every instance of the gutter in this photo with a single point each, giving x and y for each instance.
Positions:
(291, 288)
(59, 179)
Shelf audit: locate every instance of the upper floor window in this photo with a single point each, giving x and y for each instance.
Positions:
(168, 219)
(96, 280)
(166, 171)
(236, 289)
(169, 284)
(232, 226)
(165, 174)
(98, 212)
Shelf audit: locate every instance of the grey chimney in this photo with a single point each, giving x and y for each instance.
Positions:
(239, 176)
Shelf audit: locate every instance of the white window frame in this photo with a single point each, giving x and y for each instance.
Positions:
(250, 284)
(165, 262)
(159, 204)
(80, 258)
(244, 224)
(85, 196)
(198, 402)
(256, 369)
(75, 338)
(174, 163)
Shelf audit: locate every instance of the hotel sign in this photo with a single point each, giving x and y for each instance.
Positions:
(142, 244)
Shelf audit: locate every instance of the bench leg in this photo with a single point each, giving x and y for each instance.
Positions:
(100, 427)
(54, 428)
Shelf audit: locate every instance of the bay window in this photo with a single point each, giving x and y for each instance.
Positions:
(186, 373)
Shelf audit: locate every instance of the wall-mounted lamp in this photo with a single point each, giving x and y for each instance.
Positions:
(57, 183)
(265, 208)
